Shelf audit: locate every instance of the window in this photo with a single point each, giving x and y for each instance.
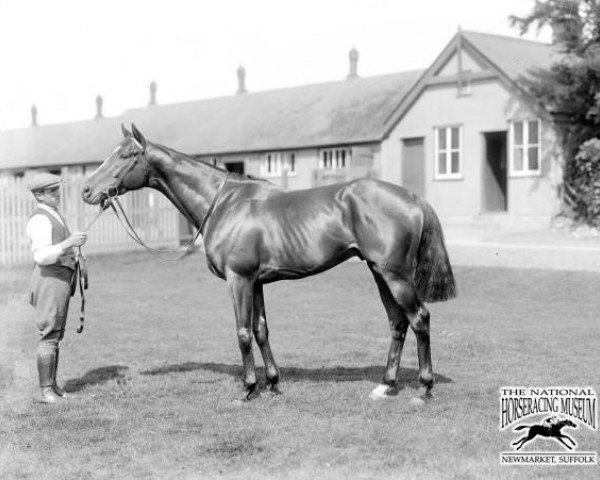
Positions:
(448, 163)
(525, 147)
(464, 83)
(273, 163)
(334, 158)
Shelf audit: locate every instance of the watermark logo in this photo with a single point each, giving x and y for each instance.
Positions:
(544, 422)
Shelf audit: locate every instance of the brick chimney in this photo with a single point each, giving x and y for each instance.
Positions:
(34, 112)
(99, 102)
(152, 93)
(241, 74)
(353, 64)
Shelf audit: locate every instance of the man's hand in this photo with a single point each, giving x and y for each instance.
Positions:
(76, 239)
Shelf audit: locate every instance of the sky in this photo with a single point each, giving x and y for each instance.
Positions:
(61, 54)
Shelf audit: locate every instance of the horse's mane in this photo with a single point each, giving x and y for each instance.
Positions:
(182, 156)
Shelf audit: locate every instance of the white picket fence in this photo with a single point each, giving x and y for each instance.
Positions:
(155, 219)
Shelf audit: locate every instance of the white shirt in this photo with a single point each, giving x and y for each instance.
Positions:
(39, 231)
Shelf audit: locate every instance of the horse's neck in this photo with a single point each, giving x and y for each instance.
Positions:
(190, 185)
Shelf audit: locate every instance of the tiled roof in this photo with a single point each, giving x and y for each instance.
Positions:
(511, 60)
(344, 112)
(58, 144)
(515, 57)
(313, 115)
(334, 113)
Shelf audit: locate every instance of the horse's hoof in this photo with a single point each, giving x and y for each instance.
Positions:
(252, 393)
(275, 389)
(383, 391)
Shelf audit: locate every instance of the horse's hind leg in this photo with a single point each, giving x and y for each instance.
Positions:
(261, 334)
(398, 326)
(522, 441)
(242, 294)
(405, 295)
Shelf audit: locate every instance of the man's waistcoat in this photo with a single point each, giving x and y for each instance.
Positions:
(59, 233)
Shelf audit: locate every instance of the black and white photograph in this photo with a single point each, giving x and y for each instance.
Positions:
(274, 239)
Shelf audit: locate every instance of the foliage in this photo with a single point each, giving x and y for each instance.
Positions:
(586, 182)
(570, 90)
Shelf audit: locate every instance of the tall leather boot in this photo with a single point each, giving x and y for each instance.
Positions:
(46, 359)
(59, 391)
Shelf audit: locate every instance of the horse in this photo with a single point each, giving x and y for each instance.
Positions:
(255, 233)
(553, 431)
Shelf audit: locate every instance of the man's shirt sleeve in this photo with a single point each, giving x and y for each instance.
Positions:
(39, 231)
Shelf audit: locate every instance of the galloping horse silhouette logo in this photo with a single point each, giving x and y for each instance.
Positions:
(550, 429)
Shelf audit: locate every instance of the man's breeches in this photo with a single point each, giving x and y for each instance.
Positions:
(50, 297)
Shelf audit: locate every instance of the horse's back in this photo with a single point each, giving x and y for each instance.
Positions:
(291, 234)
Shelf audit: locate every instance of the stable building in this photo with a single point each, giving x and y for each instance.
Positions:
(464, 133)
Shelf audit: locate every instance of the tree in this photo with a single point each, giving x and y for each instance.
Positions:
(570, 90)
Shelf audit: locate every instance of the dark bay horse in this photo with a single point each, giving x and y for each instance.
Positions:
(255, 233)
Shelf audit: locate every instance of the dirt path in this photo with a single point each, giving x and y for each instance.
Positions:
(497, 254)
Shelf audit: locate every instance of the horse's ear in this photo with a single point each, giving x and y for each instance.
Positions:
(138, 136)
(126, 133)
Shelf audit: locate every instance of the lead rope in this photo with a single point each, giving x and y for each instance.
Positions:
(128, 227)
(130, 230)
(81, 272)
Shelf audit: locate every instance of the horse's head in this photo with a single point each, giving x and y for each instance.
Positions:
(567, 423)
(125, 169)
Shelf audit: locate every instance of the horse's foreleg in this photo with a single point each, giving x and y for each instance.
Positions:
(398, 326)
(560, 439)
(242, 293)
(418, 316)
(568, 438)
(261, 334)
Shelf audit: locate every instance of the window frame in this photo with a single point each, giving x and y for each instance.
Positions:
(448, 153)
(281, 159)
(525, 146)
(345, 155)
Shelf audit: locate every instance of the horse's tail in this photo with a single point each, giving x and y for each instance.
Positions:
(521, 427)
(434, 279)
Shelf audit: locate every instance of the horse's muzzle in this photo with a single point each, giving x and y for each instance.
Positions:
(88, 196)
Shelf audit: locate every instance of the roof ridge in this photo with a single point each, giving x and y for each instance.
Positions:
(280, 89)
(42, 126)
(506, 37)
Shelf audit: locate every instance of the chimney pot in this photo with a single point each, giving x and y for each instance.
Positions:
(152, 93)
(241, 74)
(34, 112)
(99, 102)
(353, 64)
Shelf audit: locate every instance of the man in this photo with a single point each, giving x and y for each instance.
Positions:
(551, 421)
(53, 278)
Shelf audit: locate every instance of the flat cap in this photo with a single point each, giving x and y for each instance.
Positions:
(43, 180)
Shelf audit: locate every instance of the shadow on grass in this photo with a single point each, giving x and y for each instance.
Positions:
(95, 377)
(407, 376)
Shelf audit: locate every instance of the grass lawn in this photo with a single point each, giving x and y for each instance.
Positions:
(157, 375)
